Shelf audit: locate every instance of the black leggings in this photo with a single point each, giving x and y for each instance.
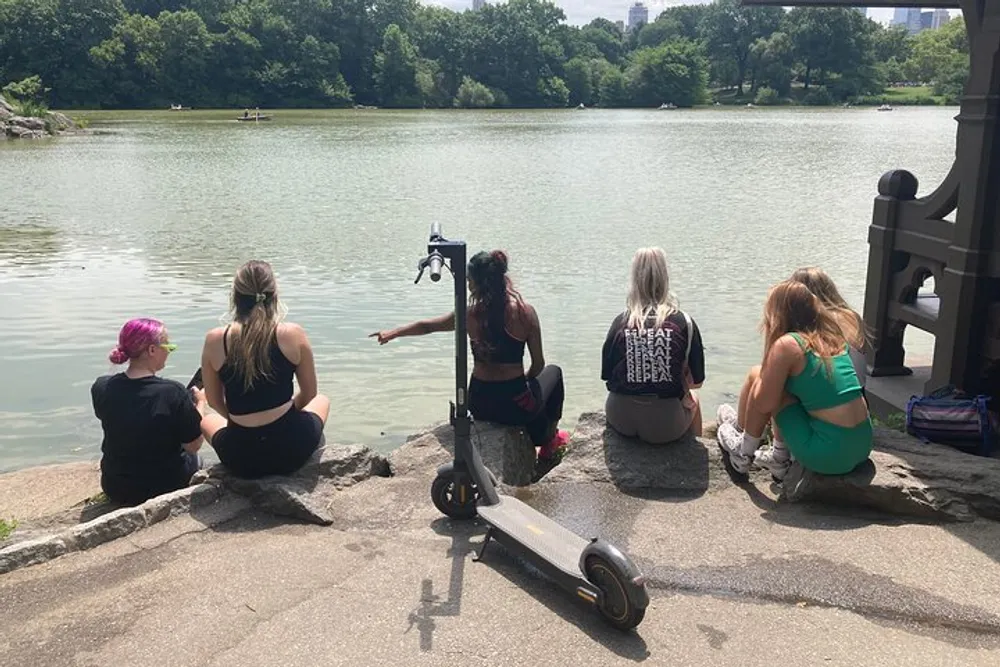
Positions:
(278, 448)
(534, 403)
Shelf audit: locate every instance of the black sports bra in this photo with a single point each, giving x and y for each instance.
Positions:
(507, 350)
(266, 393)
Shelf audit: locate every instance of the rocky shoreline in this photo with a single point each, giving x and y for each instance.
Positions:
(58, 508)
(13, 126)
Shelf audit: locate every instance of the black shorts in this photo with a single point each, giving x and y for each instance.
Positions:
(278, 448)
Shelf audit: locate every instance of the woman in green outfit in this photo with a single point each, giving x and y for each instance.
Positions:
(807, 385)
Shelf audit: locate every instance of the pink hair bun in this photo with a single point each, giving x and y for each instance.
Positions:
(118, 356)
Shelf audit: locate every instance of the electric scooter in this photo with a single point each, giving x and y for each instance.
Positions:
(594, 570)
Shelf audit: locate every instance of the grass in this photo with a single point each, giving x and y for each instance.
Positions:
(29, 109)
(895, 422)
(97, 498)
(6, 528)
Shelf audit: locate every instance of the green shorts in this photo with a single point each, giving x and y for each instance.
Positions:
(823, 447)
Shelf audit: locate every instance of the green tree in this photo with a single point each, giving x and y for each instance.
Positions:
(473, 95)
(184, 58)
(553, 92)
(396, 70)
(130, 60)
(941, 58)
(891, 42)
(674, 72)
(730, 31)
(773, 60)
(613, 89)
(831, 40)
(579, 81)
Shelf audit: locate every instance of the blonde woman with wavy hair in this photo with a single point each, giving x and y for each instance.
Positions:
(263, 426)
(806, 387)
(652, 359)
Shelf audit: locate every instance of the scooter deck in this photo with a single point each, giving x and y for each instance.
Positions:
(535, 532)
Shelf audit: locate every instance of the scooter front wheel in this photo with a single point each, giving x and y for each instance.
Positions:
(457, 501)
(616, 607)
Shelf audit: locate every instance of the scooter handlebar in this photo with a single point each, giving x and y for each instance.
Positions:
(435, 261)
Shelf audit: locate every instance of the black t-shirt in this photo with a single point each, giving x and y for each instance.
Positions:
(651, 361)
(145, 423)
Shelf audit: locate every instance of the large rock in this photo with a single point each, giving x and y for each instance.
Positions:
(598, 453)
(906, 476)
(28, 123)
(5, 106)
(19, 132)
(60, 122)
(306, 495)
(507, 451)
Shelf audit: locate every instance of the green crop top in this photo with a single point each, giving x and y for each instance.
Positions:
(818, 389)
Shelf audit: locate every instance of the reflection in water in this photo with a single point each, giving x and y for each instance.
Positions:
(154, 217)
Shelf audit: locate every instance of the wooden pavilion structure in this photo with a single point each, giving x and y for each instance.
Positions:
(951, 234)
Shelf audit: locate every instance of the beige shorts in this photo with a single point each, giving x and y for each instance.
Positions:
(651, 419)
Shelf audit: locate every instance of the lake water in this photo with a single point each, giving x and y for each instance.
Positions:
(152, 213)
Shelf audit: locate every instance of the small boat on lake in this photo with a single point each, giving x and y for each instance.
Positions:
(884, 107)
(253, 117)
(178, 107)
(670, 106)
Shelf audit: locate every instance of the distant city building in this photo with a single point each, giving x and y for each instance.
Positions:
(941, 17)
(910, 17)
(926, 20)
(477, 5)
(621, 25)
(638, 15)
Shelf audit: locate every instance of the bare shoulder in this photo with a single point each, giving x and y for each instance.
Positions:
(292, 333)
(528, 314)
(214, 335)
(787, 347)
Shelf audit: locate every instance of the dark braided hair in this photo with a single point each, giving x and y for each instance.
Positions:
(493, 290)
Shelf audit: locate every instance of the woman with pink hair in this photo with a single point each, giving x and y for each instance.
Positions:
(152, 425)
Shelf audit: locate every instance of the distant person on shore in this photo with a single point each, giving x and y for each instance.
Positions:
(807, 385)
(500, 323)
(152, 426)
(653, 359)
(262, 428)
(246, 113)
(851, 323)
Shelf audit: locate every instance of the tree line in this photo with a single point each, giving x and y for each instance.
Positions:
(400, 53)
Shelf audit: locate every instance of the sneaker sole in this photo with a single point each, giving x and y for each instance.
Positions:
(734, 474)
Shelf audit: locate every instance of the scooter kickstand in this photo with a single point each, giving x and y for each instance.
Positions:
(479, 556)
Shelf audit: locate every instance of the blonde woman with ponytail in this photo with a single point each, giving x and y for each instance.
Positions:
(652, 359)
(262, 427)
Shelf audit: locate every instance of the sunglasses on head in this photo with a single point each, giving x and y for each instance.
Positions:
(169, 347)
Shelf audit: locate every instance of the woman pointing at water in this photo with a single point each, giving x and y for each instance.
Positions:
(500, 324)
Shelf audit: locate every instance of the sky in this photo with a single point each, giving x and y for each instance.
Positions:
(580, 12)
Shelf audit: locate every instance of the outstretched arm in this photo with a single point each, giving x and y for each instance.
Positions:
(419, 328)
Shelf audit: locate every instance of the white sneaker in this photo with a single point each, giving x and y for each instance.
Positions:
(726, 414)
(731, 443)
(775, 460)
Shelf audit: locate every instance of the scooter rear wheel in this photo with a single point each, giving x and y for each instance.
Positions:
(451, 501)
(617, 607)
